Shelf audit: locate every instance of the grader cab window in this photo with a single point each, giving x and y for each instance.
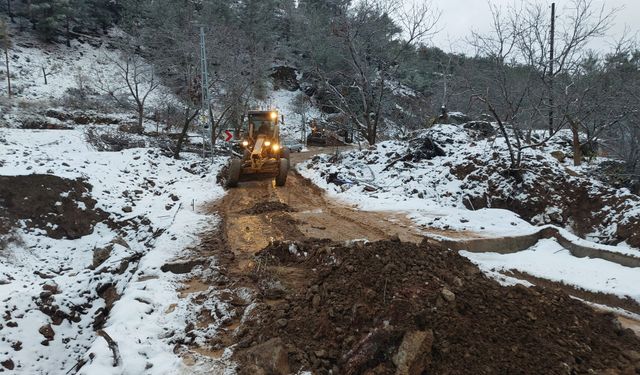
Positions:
(262, 124)
(264, 128)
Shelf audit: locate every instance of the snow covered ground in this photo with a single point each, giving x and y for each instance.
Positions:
(549, 260)
(158, 200)
(66, 68)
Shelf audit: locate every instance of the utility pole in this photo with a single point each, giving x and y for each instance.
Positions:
(6, 57)
(205, 113)
(551, 72)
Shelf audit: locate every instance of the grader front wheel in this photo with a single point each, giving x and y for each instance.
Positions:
(281, 178)
(234, 172)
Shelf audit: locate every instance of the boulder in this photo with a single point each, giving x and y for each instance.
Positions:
(47, 332)
(559, 155)
(457, 118)
(414, 353)
(424, 148)
(285, 77)
(101, 254)
(480, 129)
(448, 295)
(270, 357)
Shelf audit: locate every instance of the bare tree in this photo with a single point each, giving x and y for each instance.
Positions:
(519, 85)
(373, 46)
(301, 105)
(134, 81)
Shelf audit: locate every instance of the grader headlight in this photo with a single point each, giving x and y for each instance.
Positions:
(275, 147)
(273, 115)
(245, 143)
(267, 143)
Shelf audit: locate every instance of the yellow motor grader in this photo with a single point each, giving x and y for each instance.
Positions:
(263, 153)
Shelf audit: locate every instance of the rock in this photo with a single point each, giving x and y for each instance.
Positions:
(281, 322)
(423, 148)
(47, 332)
(127, 209)
(457, 118)
(374, 345)
(51, 288)
(120, 241)
(480, 129)
(17, 346)
(101, 254)
(457, 282)
(270, 357)
(316, 301)
(559, 155)
(414, 353)
(448, 295)
(285, 77)
(8, 364)
(632, 355)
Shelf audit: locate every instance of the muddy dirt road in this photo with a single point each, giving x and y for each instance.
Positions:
(270, 301)
(258, 213)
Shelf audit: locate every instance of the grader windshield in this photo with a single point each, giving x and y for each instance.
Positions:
(263, 123)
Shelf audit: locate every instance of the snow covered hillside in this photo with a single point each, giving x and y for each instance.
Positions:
(91, 214)
(59, 288)
(450, 181)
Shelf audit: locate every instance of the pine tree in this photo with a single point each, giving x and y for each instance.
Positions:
(48, 17)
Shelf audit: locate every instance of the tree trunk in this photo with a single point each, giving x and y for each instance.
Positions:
(503, 131)
(183, 133)
(68, 31)
(44, 73)
(303, 136)
(577, 151)
(6, 57)
(10, 11)
(140, 119)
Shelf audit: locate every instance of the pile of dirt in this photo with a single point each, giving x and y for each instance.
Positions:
(61, 207)
(399, 308)
(268, 206)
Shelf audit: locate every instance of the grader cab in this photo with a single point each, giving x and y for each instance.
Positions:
(263, 153)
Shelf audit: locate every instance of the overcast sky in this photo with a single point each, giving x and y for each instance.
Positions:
(459, 17)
